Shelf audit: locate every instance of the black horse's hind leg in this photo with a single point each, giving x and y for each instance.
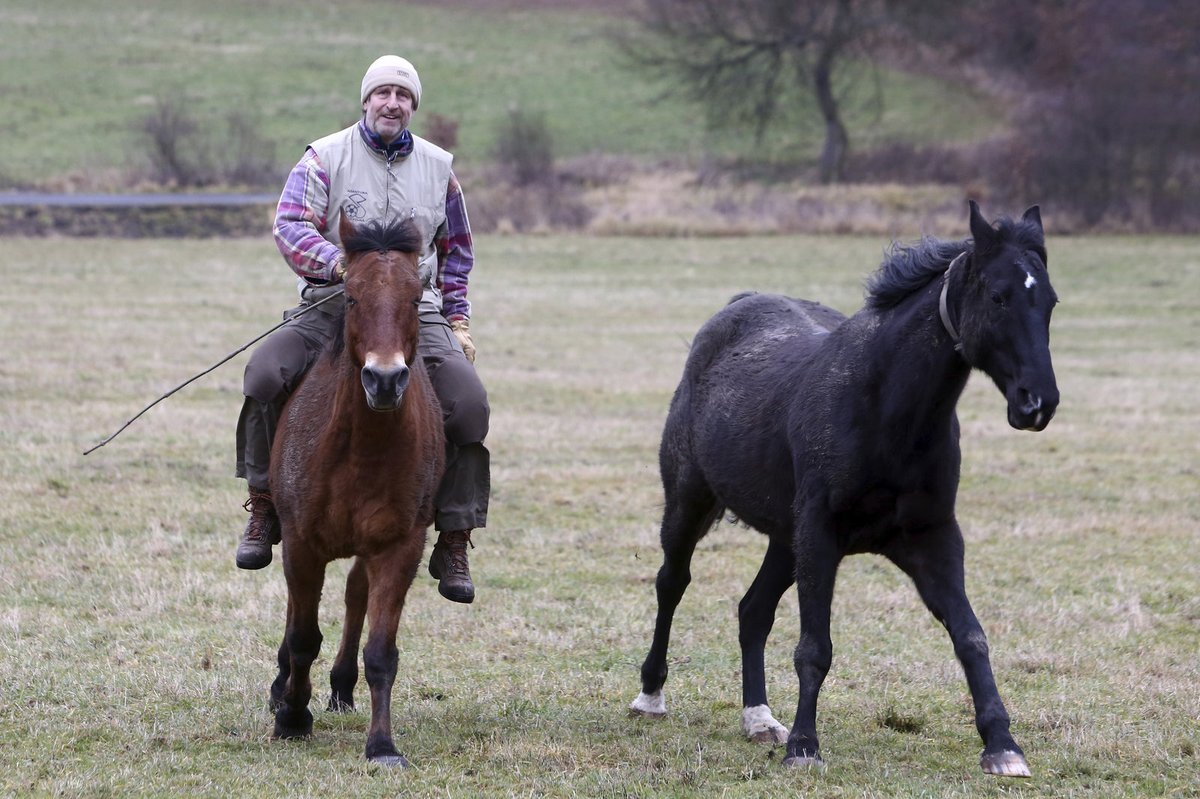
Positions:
(817, 561)
(686, 519)
(937, 571)
(756, 616)
(344, 674)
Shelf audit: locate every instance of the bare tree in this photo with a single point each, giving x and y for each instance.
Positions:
(740, 56)
(1106, 118)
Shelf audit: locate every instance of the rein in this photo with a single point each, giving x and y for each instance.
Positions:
(242, 348)
(943, 311)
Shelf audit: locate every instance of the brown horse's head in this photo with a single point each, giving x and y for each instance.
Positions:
(383, 292)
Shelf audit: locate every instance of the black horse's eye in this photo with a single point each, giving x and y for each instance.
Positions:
(996, 298)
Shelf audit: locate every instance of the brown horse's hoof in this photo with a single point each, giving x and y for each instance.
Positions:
(290, 726)
(804, 761)
(288, 734)
(1005, 764)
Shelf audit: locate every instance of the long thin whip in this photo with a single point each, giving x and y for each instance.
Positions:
(227, 358)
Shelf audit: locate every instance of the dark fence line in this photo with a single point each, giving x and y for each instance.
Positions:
(39, 199)
(136, 215)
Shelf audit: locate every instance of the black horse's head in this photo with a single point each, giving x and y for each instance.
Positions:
(1002, 302)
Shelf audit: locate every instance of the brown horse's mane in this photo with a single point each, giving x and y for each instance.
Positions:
(374, 237)
(400, 236)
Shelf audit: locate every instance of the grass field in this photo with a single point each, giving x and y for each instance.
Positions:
(135, 658)
(76, 82)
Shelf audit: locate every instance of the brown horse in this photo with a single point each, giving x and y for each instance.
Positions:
(354, 468)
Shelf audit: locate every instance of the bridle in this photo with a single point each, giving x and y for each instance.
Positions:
(942, 309)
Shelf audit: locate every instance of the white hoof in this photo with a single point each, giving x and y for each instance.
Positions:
(651, 705)
(1005, 764)
(761, 727)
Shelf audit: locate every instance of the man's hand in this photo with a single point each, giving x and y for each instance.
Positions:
(462, 331)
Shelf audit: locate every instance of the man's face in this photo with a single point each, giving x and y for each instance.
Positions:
(388, 111)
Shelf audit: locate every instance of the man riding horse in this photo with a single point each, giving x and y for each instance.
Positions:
(376, 171)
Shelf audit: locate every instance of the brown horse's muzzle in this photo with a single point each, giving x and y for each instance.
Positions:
(384, 385)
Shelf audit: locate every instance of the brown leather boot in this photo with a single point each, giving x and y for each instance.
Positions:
(448, 564)
(262, 531)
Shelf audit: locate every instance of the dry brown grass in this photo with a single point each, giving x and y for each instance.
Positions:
(134, 657)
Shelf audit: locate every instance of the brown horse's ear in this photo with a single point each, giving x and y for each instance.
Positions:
(345, 229)
(981, 230)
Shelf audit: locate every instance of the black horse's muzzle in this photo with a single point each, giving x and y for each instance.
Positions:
(1032, 410)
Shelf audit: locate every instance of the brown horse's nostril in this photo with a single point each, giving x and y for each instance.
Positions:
(384, 386)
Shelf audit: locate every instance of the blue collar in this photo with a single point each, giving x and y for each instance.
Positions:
(401, 147)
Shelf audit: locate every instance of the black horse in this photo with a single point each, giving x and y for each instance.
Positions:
(837, 436)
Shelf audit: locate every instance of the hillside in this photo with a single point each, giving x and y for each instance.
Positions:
(229, 82)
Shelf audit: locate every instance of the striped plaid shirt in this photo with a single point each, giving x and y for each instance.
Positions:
(302, 215)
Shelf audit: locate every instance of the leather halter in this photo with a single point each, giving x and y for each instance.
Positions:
(942, 310)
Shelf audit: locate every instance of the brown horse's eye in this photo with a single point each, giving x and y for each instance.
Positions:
(351, 302)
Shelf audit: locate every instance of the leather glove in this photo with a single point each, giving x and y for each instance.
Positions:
(462, 331)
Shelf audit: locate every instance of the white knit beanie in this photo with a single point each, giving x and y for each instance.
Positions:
(391, 70)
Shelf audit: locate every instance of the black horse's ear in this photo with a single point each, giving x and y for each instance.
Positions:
(981, 230)
(1033, 214)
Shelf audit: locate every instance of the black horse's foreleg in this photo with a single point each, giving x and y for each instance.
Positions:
(303, 642)
(937, 571)
(756, 616)
(684, 524)
(817, 561)
(344, 674)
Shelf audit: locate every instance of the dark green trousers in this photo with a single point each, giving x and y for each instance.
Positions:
(280, 361)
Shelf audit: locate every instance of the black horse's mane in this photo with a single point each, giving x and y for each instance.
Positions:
(909, 267)
(401, 236)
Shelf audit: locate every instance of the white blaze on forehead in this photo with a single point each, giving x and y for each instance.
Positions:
(1030, 281)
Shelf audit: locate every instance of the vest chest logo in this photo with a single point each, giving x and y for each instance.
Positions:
(354, 208)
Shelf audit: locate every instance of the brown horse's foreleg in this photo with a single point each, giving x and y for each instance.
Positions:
(305, 577)
(390, 575)
(344, 674)
(284, 660)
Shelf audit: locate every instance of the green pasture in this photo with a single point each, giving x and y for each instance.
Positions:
(78, 77)
(135, 658)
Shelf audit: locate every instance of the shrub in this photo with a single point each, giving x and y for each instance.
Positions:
(524, 148)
